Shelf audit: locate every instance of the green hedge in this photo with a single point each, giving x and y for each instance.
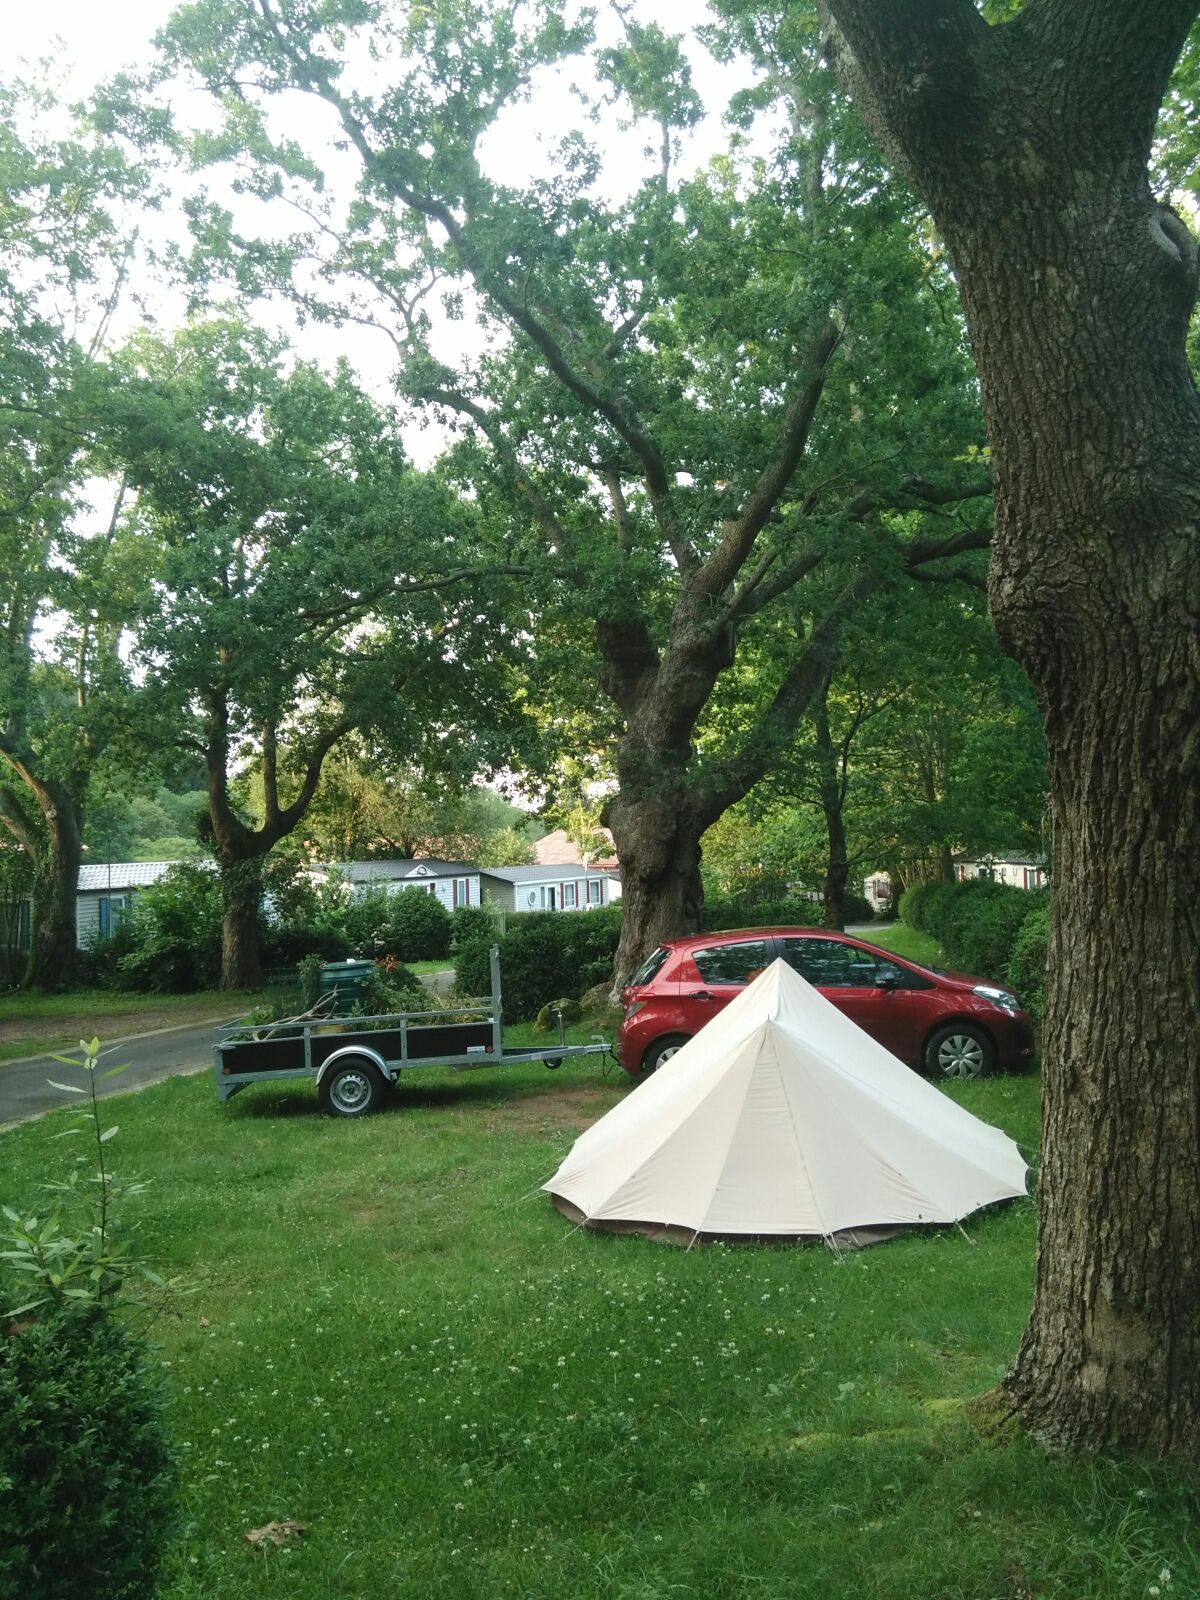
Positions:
(720, 913)
(88, 1493)
(992, 930)
(544, 956)
(1027, 964)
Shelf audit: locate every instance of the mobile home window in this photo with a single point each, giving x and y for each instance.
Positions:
(595, 891)
(462, 894)
(568, 890)
(111, 913)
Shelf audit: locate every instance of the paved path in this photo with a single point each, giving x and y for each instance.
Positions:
(25, 1093)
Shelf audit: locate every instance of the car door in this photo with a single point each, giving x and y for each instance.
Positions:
(848, 975)
(722, 972)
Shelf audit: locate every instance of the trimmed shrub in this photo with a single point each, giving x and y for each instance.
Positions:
(859, 908)
(471, 923)
(88, 1497)
(1027, 964)
(472, 968)
(419, 926)
(412, 925)
(921, 905)
(980, 923)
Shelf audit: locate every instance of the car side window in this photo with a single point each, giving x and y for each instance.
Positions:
(731, 963)
(830, 964)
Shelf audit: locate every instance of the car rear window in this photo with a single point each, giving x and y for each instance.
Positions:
(731, 963)
(651, 966)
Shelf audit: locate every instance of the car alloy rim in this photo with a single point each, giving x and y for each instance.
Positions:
(351, 1091)
(960, 1056)
(665, 1055)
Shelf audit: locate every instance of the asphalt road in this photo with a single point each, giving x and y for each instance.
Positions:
(25, 1092)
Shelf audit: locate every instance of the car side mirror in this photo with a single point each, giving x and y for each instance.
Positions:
(889, 978)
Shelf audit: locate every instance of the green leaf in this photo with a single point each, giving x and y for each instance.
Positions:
(112, 1071)
(109, 1133)
(67, 1088)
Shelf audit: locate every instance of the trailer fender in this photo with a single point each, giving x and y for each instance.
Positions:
(372, 1056)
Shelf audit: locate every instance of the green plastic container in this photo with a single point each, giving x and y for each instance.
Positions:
(346, 980)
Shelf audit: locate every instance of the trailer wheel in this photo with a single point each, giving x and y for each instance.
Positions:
(353, 1088)
(552, 1063)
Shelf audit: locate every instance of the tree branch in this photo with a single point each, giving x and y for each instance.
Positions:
(726, 561)
(775, 728)
(515, 307)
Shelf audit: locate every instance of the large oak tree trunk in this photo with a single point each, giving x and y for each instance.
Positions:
(1095, 588)
(241, 899)
(1077, 289)
(657, 841)
(53, 936)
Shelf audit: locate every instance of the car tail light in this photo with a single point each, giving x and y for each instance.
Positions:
(632, 1007)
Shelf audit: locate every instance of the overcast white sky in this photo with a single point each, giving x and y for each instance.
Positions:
(88, 40)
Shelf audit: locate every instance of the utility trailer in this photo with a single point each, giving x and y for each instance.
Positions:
(354, 1060)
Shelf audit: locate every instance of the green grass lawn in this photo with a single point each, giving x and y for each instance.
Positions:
(906, 941)
(393, 1338)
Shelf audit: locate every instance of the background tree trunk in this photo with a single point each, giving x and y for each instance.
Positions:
(241, 899)
(1030, 142)
(52, 934)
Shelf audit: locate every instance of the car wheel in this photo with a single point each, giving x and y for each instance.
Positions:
(662, 1050)
(353, 1088)
(959, 1051)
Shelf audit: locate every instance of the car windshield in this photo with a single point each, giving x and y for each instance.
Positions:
(650, 966)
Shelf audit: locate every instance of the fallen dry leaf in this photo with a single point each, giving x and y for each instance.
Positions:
(275, 1533)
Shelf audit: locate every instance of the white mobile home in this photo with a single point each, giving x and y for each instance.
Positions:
(568, 887)
(454, 883)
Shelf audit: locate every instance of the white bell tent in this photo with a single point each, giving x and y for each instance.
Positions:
(783, 1120)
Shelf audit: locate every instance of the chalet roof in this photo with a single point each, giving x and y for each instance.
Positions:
(100, 877)
(556, 849)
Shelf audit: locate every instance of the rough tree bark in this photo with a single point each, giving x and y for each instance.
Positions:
(1030, 143)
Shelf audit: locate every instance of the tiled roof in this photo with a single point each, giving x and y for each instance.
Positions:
(556, 850)
(102, 876)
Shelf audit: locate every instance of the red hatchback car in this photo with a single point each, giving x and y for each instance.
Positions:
(945, 1023)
